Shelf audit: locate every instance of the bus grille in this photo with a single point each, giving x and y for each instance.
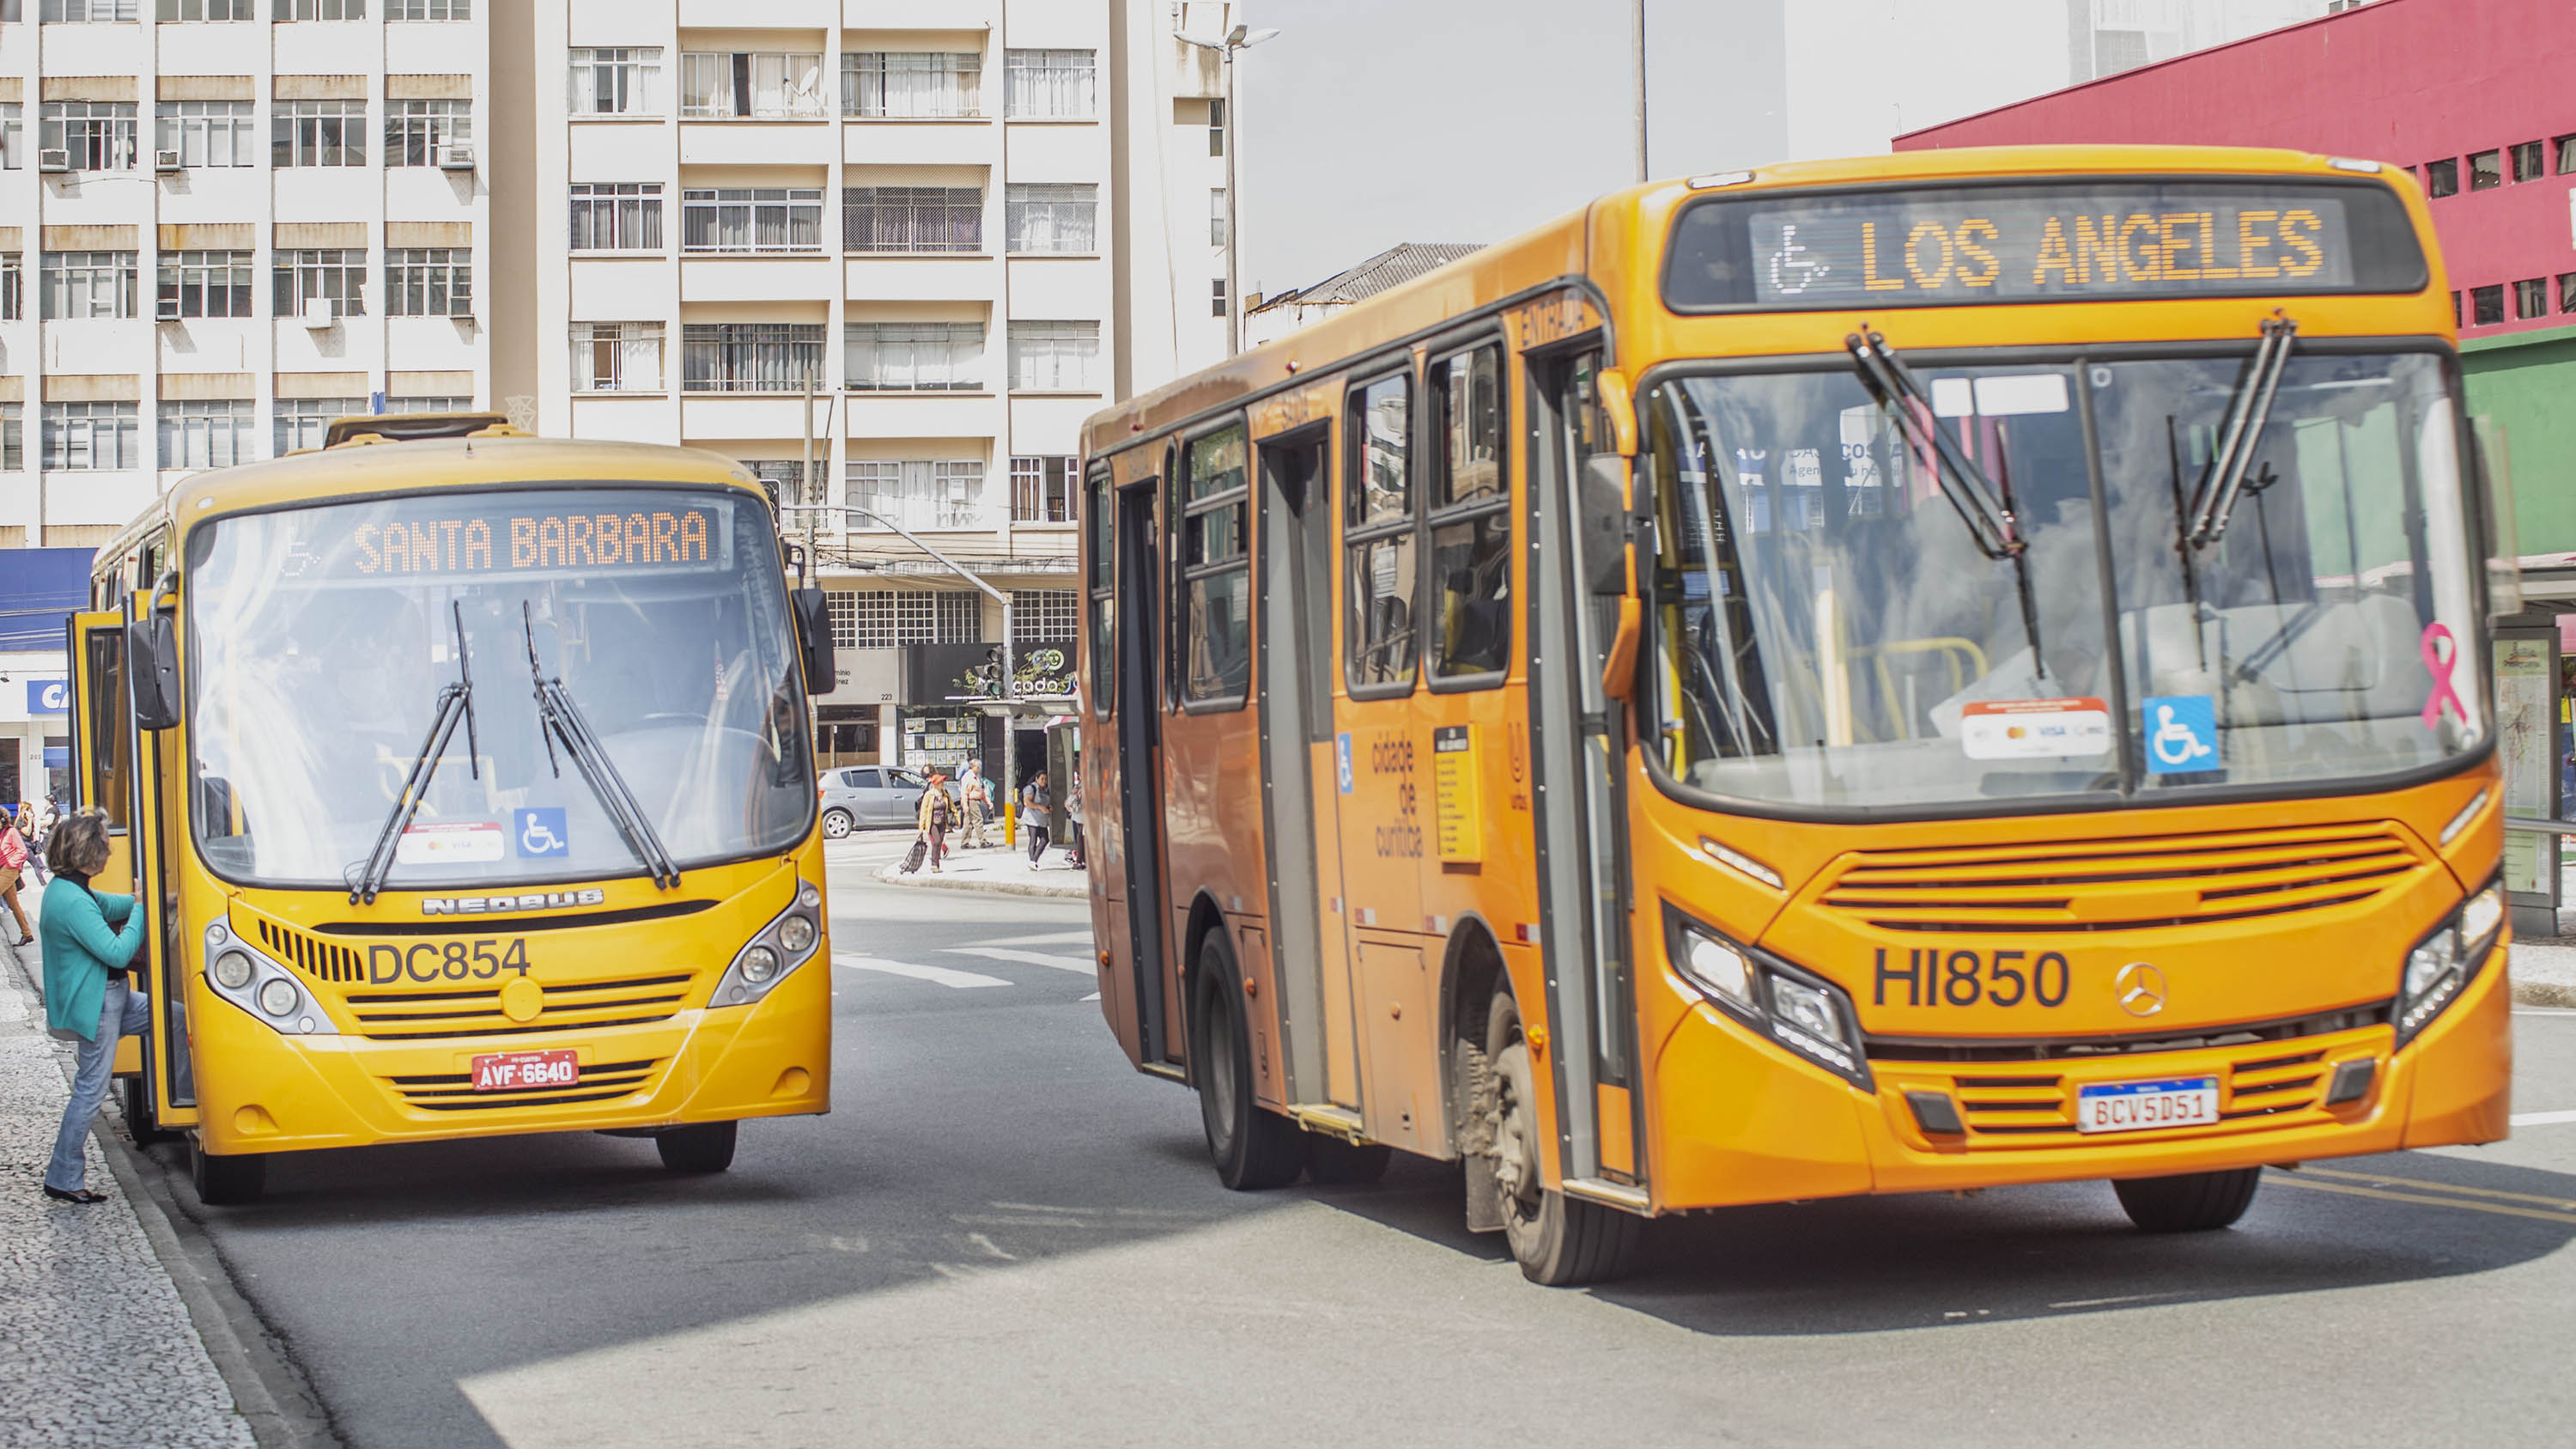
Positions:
(2138, 884)
(454, 1091)
(318, 959)
(2021, 1106)
(436, 1015)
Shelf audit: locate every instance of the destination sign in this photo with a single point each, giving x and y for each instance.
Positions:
(1966, 245)
(463, 536)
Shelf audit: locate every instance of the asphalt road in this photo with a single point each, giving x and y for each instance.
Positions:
(1003, 1235)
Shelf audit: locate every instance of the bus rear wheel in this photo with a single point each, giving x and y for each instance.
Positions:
(1558, 1241)
(226, 1181)
(2194, 1202)
(1253, 1147)
(705, 1147)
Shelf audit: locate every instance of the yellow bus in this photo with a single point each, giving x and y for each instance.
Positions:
(1925, 672)
(465, 778)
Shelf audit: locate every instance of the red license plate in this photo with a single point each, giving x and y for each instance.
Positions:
(518, 1071)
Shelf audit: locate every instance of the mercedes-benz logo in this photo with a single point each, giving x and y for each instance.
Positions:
(2139, 988)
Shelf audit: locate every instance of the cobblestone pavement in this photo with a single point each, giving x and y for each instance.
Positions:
(96, 1344)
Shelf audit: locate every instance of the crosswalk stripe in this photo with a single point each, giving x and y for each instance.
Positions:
(2542, 1119)
(1074, 964)
(1044, 938)
(962, 980)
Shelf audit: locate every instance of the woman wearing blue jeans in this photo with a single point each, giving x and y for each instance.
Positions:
(86, 998)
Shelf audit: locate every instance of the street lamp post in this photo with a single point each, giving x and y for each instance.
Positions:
(1239, 38)
(1637, 41)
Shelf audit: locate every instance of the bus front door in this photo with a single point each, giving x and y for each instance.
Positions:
(1140, 803)
(1576, 747)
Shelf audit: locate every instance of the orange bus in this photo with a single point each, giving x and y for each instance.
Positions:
(1924, 672)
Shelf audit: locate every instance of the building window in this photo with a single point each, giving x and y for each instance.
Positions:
(2486, 170)
(193, 10)
(2528, 162)
(2531, 298)
(321, 10)
(2567, 291)
(1056, 217)
(303, 422)
(752, 219)
(1216, 128)
(1216, 571)
(207, 434)
(1216, 297)
(205, 284)
(429, 9)
(1042, 616)
(207, 133)
(1216, 217)
(915, 356)
(13, 287)
(429, 282)
(616, 81)
(13, 438)
(911, 83)
(92, 12)
(317, 133)
(617, 357)
(96, 135)
(90, 284)
(1042, 491)
(919, 493)
(13, 136)
(2565, 146)
(766, 85)
(1055, 356)
(912, 219)
(334, 275)
(2442, 178)
(617, 216)
(751, 356)
(841, 606)
(1049, 83)
(429, 405)
(414, 130)
(92, 436)
(2486, 306)
(783, 479)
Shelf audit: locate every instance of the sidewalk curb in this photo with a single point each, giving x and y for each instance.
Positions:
(2543, 993)
(891, 876)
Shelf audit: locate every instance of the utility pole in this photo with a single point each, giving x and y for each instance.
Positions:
(1637, 39)
(1239, 38)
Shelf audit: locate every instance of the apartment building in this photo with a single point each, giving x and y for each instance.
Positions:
(223, 222)
(1169, 184)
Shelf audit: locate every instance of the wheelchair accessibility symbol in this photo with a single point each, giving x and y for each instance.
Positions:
(2182, 733)
(542, 832)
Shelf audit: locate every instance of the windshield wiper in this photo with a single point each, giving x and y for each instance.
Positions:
(558, 718)
(1985, 508)
(2247, 413)
(454, 700)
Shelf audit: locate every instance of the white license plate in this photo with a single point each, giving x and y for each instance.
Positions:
(2147, 1106)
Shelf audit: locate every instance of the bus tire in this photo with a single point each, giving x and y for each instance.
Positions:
(837, 824)
(1558, 1241)
(139, 1121)
(703, 1148)
(1252, 1146)
(226, 1181)
(1331, 1161)
(2194, 1202)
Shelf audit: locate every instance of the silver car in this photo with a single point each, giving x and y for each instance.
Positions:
(858, 796)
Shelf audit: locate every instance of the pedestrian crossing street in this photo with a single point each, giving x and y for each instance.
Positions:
(1046, 949)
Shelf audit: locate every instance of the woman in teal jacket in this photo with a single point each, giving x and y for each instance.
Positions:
(86, 998)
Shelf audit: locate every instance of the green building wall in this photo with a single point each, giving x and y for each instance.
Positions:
(2526, 382)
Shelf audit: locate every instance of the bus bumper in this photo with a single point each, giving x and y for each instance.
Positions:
(291, 1094)
(1742, 1123)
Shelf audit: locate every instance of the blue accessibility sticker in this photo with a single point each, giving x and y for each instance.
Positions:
(1342, 759)
(542, 831)
(2182, 733)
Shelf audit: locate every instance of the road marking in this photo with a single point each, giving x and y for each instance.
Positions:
(2542, 1011)
(2542, 1119)
(2122, 1298)
(962, 980)
(2563, 1204)
(1074, 964)
(2424, 1199)
(1095, 996)
(1046, 938)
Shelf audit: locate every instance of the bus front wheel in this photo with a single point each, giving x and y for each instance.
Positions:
(226, 1181)
(706, 1147)
(1253, 1148)
(140, 1124)
(2194, 1202)
(1557, 1240)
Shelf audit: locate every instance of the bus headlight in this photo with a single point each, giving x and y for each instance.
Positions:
(774, 952)
(758, 965)
(266, 992)
(2447, 959)
(278, 996)
(1794, 1007)
(796, 935)
(232, 970)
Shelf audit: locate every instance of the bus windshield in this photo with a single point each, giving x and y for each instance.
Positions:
(322, 637)
(1830, 635)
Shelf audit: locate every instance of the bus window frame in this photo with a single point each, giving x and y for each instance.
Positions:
(1348, 536)
(2127, 798)
(1182, 618)
(1435, 515)
(1100, 582)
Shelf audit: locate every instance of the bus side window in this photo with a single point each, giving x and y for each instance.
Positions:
(1377, 539)
(1470, 632)
(1216, 571)
(110, 757)
(1099, 524)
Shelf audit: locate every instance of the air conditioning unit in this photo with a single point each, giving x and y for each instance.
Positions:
(169, 309)
(167, 161)
(455, 158)
(318, 314)
(54, 161)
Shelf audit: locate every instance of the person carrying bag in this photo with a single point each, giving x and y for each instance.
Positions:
(14, 856)
(90, 938)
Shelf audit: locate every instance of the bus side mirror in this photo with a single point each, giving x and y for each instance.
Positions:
(152, 657)
(1601, 527)
(814, 637)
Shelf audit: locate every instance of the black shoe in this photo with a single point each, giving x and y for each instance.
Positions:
(84, 1196)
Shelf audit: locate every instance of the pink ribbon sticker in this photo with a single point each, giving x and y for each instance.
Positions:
(2440, 652)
